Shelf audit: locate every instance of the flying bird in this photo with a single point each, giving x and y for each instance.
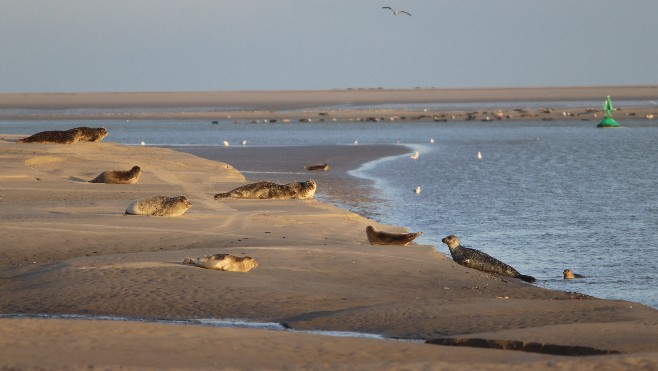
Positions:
(396, 12)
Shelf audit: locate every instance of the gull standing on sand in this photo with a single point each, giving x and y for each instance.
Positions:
(226, 143)
(396, 12)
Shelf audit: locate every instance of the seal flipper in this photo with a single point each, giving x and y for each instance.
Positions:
(526, 278)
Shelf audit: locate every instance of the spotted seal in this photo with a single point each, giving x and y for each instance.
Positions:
(269, 190)
(119, 176)
(569, 275)
(224, 262)
(388, 238)
(54, 136)
(92, 134)
(478, 260)
(159, 206)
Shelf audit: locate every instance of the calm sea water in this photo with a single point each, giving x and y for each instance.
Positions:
(544, 197)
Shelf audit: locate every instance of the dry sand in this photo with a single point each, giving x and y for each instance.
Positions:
(68, 248)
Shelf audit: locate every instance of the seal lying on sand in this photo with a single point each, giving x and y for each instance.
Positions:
(269, 190)
(92, 134)
(118, 176)
(387, 238)
(569, 275)
(478, 260)
(224, 262)
(323, 167)
(54, 136)
(159, 206)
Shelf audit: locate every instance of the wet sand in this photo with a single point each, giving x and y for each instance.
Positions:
(68, 248)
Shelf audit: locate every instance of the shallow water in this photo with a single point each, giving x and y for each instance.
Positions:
(544, 197)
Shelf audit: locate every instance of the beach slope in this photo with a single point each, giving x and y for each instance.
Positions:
(68, 248)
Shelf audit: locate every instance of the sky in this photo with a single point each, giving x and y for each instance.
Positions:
(211, 45)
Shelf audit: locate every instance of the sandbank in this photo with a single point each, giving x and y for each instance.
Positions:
(327, 105)
(68, 248)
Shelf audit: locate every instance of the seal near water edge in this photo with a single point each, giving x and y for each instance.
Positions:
(159, 206)
(224, 262)
(92, 134)
(388, 238)
(476, 259)
(569, 275)
(269, 190)
(54, 136)
(119, 176)
(322, 167)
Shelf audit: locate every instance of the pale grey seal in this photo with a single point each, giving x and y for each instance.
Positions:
(269, 190)
(478, 260)
(119, 176)
(54, 136)
(159, 206)
(569, 275)
(388, 238)
(224, 262)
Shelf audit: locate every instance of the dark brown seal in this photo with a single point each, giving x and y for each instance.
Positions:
(269, 190)
(54, 136)
(322, 167)
(119, 176)
(478, 260)
(388, 238)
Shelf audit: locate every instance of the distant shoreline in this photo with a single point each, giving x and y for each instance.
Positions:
(311, 104)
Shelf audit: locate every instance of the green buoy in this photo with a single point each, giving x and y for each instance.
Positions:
(608, 121)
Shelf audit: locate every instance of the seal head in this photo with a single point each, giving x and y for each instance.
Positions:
(569, 275)
(476, 259)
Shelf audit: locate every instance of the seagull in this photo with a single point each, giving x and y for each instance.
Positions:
(431, 140)
(244, 142)
(226, 143)
(415, 156)
(479, 156)
(417, 190)
(396, 12)
(356, 141)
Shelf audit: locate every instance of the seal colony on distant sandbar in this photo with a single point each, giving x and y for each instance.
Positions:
(389, 238)
(159, 206)
(119, 176)
(224, 262)
(269, 190)
(476, 259)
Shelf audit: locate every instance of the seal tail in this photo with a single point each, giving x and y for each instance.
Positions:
(221, 195)
(526, 278)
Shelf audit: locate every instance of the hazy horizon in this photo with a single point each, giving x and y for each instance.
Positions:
(203, 45)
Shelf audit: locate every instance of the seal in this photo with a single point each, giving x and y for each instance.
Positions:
(54, 136)
(159, 206)
(569, 275)
(476, 259)
(387, 238)
(224, 262)
(269, 190)
(92, 134)
(118, 176)
(323, 167)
